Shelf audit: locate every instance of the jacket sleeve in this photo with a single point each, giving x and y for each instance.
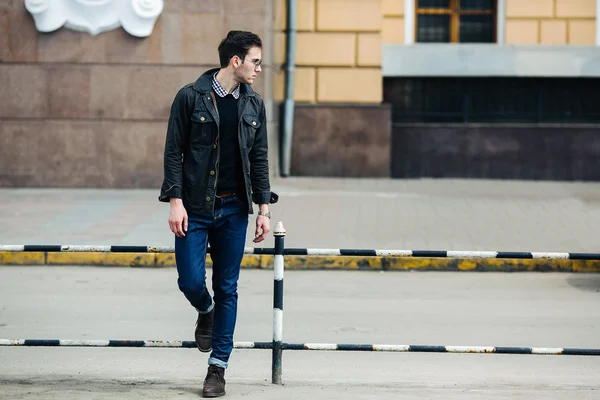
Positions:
(177, 139)
(259, 164)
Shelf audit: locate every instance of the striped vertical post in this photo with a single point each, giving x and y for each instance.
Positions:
(279, 234)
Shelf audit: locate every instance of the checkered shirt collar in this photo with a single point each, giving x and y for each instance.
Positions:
(222, 92)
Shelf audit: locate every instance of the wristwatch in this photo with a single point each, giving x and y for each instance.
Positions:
(265, 214)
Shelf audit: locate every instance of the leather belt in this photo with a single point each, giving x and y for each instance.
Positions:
(223, 195)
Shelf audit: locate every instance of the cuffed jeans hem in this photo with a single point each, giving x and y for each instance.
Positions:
(207, 311)
(217, 362)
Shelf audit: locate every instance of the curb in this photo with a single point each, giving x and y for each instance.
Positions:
(292, 262)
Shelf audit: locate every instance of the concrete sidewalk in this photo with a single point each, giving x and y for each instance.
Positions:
(334, 213)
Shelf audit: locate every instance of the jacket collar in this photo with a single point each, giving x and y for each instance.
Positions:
(204, 84)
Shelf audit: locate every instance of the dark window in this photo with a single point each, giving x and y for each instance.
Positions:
(433, 28)
(560, 100)
(484, 5)
(434, 3)
(456, 21)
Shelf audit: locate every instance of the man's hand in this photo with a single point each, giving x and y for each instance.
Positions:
(178, 218)
(263, 227)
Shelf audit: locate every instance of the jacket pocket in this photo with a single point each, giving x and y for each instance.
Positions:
(251, 125)
(203, 128)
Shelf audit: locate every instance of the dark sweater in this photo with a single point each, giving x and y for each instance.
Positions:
(230, 179)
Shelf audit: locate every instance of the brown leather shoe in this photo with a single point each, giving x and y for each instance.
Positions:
(214, 384)
(203, 332)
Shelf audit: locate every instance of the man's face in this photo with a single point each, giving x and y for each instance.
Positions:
(247, 71)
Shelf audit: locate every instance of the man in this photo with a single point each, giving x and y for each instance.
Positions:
(215, 167)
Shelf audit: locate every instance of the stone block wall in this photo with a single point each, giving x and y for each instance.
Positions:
(393, 22)
(342, 141)
(564, 152)
(338, 51)
(551, 22)
(91, 111)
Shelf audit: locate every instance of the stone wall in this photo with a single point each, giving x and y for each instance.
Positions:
(551, 22)
(341, 141)
(338, 51)
(91, 111)
(393, 22)
(496, 151)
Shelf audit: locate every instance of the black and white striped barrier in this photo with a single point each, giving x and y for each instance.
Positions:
(442, 254)
(279, 234)
(308, 346)
(314, 252)
(277, 345)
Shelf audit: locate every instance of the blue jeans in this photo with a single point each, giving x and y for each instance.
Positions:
(226, 233)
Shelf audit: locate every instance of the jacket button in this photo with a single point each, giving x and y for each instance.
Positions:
(202, 118)
(254, 123)
(212, 172)
(208, 199)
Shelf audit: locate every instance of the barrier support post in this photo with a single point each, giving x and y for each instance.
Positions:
(278, 268)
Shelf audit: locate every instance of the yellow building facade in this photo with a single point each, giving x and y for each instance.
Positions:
(551, 22)
(341, 44)
(338, 41)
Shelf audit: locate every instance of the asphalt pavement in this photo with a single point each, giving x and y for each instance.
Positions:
(365, 307)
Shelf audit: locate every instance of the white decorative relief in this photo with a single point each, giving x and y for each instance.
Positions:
(137, 17)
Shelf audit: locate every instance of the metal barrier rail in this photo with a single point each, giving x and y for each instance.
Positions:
(307, 346)
(277, 345)
(314, 252)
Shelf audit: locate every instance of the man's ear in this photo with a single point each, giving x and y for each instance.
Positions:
(235, 61)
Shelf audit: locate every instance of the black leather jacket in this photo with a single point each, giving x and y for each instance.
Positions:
(191, 160)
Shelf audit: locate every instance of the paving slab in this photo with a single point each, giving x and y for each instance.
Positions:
(425, 214)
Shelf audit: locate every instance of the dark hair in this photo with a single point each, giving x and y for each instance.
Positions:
(237, 43)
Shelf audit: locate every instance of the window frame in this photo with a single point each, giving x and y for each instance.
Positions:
(455, 13)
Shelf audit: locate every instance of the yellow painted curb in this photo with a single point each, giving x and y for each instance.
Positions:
(162, 260)
(10, 258)
(330, 262)
(489, 264)
(159, 260)
(104, 259)
(165, 260)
